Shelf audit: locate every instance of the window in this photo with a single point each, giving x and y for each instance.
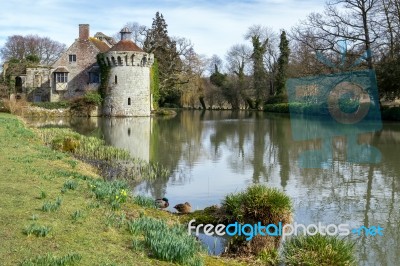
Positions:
(115, 79)
(18, 84)
(94, 77)
(129, 101)
(62, 77)
(72, 58)
(119, 61)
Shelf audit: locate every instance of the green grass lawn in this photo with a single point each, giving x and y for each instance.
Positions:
(48, 208)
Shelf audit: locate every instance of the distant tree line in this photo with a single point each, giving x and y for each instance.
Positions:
(255, 72)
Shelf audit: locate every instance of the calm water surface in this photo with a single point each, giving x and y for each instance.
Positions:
(213, 153)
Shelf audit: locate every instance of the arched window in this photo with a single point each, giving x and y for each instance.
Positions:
(129, 131)
(108, 61)
(133, 59)
(119, 61)
(116, 79)
(144, 61)
(18, 85)
(129, 101)
(113, 61)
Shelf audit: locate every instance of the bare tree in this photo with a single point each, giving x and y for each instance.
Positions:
(215, 61)
(238, 58)
(356, 24)
(19, 47)
(139, 33)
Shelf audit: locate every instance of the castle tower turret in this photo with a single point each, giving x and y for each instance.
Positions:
(128, 91)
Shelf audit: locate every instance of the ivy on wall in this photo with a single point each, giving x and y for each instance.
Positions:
(155, 83)
(104, 75)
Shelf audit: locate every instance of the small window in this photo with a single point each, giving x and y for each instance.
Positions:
(119, 60)
(18, 84)
(129, 101)
(72, 58)
(116, 79)
(61, 77)
(94, 77)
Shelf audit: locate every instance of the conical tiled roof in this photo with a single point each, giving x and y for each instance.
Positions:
(126, 45)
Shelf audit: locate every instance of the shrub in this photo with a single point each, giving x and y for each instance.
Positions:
(318, 250)
(391, 113)
(93, 97)
(15, 106)
(86, 104)
(277, 108)
(281, 98)
(53, 105)
(258, 203)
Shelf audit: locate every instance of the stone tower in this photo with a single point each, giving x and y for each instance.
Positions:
(128, 91)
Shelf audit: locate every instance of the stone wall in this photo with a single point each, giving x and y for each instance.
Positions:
(128, 92)
(37, 83)
(78, 76)
(132, 134)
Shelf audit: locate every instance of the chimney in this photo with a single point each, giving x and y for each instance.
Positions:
(83, 31)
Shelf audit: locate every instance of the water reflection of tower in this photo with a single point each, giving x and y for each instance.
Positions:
(132, 134)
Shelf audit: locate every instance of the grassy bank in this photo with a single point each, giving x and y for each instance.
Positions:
(54, 209)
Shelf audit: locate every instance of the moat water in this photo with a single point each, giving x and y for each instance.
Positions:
(213, 153)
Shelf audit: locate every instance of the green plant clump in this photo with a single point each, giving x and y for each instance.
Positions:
(318, 250)
(70, 184)
(51, 260)
(169, 243)
(258, 203)
(52, 206)
(114, 192)
(37, 230)
(144, 201)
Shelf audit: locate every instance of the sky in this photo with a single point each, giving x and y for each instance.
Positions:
(213, 26)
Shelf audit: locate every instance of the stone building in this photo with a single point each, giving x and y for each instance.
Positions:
(76, 71)
(128, 91)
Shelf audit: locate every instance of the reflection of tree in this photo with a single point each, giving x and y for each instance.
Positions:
(175, 141)
(361, 194)
(280, 138)
(259, 133)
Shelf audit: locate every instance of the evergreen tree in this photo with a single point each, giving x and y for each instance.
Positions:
(169, 63)
(283, 63)
(217, 78)
(259, 75)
